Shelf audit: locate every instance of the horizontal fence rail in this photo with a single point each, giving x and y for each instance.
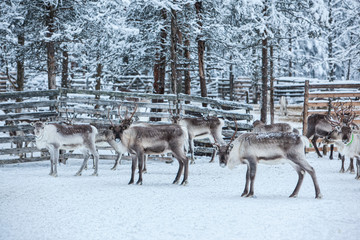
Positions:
(103, 107)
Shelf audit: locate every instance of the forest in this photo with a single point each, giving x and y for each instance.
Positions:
(179, 42)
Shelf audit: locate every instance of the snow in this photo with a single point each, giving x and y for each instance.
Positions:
(34, 205)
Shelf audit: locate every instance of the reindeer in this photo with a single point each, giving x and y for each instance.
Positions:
(347, 139)
(259, 126)
(252, 148)
(200, 128)
(318, 126)
(55, 136)
(143, 139)
(106, 133)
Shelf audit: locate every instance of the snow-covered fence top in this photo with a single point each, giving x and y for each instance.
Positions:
(18, 109)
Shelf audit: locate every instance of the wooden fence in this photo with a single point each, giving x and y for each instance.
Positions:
(320, 99)
(88, 106)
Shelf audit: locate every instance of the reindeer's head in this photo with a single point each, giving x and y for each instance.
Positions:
(39, 128)
(223, 151)
(258, 123)
(125, 123)
(342, 123)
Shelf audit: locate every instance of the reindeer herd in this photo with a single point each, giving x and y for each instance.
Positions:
(265, 144)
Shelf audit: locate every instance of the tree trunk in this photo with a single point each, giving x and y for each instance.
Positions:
(187, 66)
(255, 76)
(201, 50)
(20, 72)
(160, 67)
(290, 57)
(272, 106)
(98, 81)
(231, 79)
(51, 62)
(65, 69)
(264, 73)
(264, 80)
(173, 51)
(348, 70)
(331, 73)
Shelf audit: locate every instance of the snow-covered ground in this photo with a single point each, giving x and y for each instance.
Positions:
(34, 205)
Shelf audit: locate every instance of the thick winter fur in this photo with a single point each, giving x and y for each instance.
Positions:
(276, 127)
(200, 128)
(348, 144)
(140, 140)
(318, 127)
(54, 137)
(271, 148)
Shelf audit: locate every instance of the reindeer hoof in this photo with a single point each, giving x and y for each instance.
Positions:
(250, 195)
(94, 174)
(53, 174)
(192, 162)
(293, 196)
(244, 193)
(176, 182)
(139, 182)
(113, 168)
(319, 196)
(131, 182)
(78, 174)
(341, 171)
(184, 183)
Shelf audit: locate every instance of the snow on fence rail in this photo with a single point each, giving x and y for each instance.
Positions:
(88, 106)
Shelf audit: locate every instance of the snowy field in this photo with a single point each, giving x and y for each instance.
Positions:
(34, 205)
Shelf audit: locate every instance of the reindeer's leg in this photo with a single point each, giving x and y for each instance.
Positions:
(145, 160)
(247, 181)
(351, 166)
(253, 166)
(308, 168)
(86, 158)
(342, 169)
(56, 161)
(186, 171)
(51, 151)
(191, 146)
(117, 161)
(213, 155)
(140, 166)
(301, 173)
(95, 160)
(181, 166)
(331, 151)
(357, 168)
(133, 168)
(115, 146)
(313, 141)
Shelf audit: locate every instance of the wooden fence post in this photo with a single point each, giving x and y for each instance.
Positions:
(306, 107)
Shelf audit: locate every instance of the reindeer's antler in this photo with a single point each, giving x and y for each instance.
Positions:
(233, 136)
(112, 124)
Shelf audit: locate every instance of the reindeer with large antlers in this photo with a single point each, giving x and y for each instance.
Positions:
(252, 148)
(345, 138)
